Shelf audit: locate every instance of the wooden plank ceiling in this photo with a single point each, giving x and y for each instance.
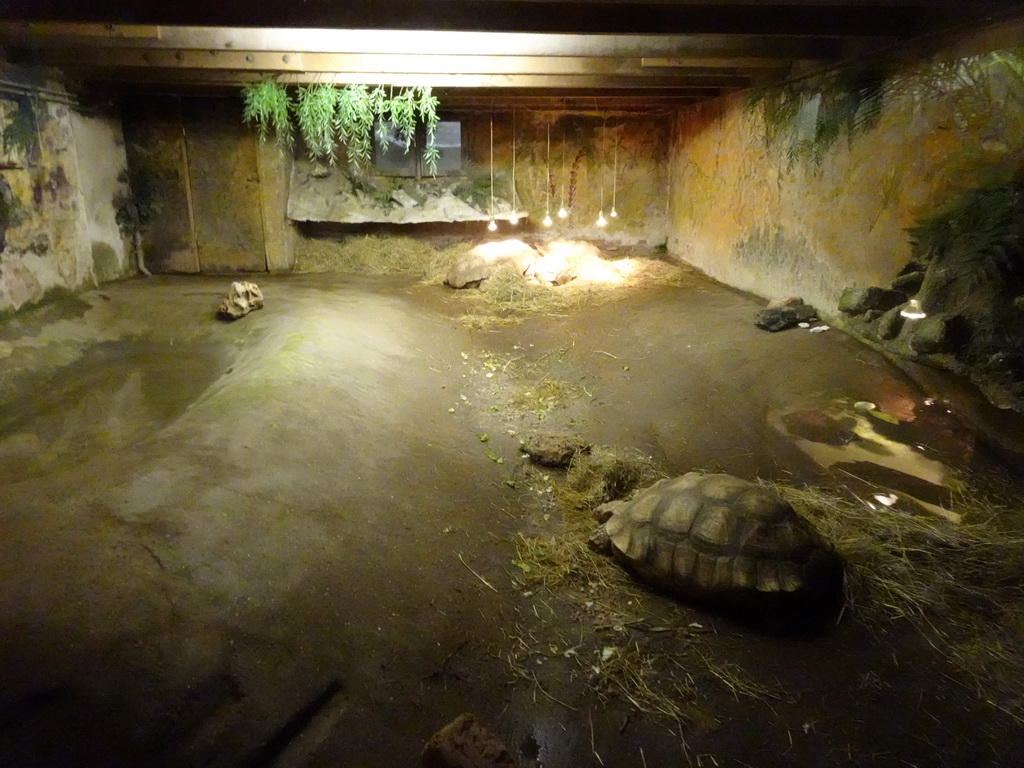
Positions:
(642, 55)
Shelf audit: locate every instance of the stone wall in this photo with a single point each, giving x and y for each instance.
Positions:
(760, 201)
(58, 181)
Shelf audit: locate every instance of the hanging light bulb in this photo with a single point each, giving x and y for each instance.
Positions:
(614, 214)
(601, 220)
(913, 310)
(513, 219)
(547, 220)
(562, 213)
(492, 226)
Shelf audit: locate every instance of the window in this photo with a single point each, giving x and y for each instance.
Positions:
(391, 159)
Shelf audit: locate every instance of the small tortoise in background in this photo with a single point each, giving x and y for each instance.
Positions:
(721, 539)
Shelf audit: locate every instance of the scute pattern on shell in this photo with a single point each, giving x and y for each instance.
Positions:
(703, 535)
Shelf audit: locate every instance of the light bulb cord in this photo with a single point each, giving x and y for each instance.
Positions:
(492, 166)
(547, 177)
(615, 171)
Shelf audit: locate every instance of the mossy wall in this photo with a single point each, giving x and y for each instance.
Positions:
(801, 216)
(58, 179)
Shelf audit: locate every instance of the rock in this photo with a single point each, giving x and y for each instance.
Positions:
(910, 283)
(403, 199)
(891, 324)
(913, 266)
(789, 301)
(929, 335)
(465, 743)
(242, 299)
(487, 259)
(553, 448)
(857, 301)
(780, 319)
(872, 314)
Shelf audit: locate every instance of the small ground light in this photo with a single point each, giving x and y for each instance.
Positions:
(913, 310)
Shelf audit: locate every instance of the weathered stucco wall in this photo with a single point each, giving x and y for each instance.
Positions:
(786, 217)
(58, 180)
(99, 145)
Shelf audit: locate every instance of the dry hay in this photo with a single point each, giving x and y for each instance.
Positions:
(377, 255)
(508, 291)
(605, 474)
(599, 280)
(488, 322)
(565, 559)
(654, 683)
(961, 585)
(539, 398)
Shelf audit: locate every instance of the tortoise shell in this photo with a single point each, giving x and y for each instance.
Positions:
(714, 536)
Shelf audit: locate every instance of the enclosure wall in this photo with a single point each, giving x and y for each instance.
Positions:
(782, 202)
(60, 177)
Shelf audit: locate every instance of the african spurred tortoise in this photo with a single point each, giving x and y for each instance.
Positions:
(723, 539)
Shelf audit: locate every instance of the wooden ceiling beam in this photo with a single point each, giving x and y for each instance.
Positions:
(424, 42)
(368, 63)
(708, 85)
(846, 17)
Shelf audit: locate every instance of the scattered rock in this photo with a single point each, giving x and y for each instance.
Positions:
(909, 283)
(857, 301)
(929, 335)
(554, 448)
(465, 743)
(242, 299)
(789, 301)
(487, 259)
(784, 317)
(891, 324)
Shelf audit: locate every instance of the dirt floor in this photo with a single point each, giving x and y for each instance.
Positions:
(291, 540)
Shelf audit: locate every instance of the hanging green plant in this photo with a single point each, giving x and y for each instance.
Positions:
(426, 107)
(353, 121)
(315, 109)
(268, 105)
(402, 115)
(328, 115)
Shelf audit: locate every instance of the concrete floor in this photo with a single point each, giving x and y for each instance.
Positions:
(281, 541)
